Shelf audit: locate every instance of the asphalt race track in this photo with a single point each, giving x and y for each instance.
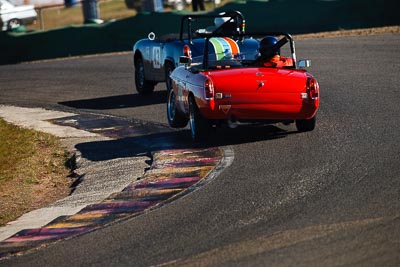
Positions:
(325, 198)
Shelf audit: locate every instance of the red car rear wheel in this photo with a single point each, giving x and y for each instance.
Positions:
(175, 118)
(306, 125)
(199, 127)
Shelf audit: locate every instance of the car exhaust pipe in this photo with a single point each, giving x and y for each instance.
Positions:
(232, 122)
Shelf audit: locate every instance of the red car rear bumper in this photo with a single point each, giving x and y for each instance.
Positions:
(215, 110)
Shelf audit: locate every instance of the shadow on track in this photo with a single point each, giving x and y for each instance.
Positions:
(117, 102)
(131, 146)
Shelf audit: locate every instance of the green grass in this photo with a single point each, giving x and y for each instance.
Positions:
(60, 16)
(33, 170)
(109, 10)
(16, 146)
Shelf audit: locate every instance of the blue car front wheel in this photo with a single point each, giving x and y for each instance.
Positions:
(143, 86)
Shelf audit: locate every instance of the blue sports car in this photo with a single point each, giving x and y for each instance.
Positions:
(155, 58)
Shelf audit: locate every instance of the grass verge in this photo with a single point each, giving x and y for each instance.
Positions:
(61, 16)
(33, 171)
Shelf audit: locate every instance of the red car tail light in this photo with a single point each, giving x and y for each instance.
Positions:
(312, 88)
(187, 52)
(209, 88)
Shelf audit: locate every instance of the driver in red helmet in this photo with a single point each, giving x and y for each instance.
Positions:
(271, 57)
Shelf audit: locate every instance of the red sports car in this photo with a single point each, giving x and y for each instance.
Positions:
(228, 85)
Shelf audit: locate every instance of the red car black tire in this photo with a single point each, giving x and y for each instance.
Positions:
(306, 125)
(175, 118)
(198, 124)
